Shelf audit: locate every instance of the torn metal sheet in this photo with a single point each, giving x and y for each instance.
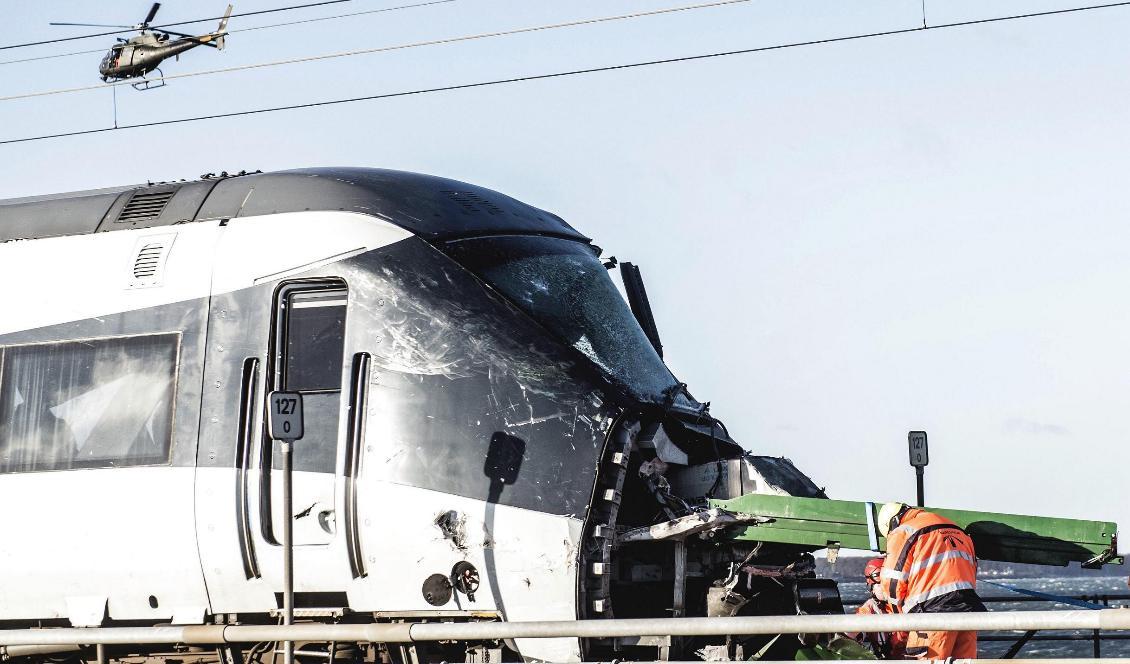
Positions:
(687, 526)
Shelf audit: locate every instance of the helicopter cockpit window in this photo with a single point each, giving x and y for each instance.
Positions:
(112, 57)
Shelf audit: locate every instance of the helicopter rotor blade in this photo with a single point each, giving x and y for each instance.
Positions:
(96, 25)
(152, 13)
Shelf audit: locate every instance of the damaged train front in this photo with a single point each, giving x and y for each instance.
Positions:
(652, 544)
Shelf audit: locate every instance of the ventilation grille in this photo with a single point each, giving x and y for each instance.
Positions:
(148, 260)
(145, 205)
(472, 202)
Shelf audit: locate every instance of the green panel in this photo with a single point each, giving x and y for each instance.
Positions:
(817, 523)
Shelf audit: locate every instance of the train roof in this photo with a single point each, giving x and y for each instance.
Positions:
(434, 208)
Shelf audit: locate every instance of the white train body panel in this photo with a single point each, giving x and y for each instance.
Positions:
(101, 541)
(86, 276)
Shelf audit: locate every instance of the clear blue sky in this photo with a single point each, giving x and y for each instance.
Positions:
(841, 242)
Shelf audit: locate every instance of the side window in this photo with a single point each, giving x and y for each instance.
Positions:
(314, 341)
(96, 403)
(310, 346)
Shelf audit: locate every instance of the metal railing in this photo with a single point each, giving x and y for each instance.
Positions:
(1105, 619)
(1096, 637)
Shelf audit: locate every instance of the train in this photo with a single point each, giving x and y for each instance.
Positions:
(486, 417)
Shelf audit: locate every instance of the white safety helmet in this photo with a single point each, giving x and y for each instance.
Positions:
(888, 513)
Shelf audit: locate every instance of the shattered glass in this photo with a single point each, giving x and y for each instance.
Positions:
(565, 287)
(468, 395)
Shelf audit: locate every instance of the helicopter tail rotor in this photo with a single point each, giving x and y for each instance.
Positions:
(222, 29)
(224, 20)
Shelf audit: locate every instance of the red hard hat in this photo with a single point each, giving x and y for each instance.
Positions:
(872, 569)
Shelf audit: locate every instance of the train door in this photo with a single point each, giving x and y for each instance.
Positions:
(308, 351)
(272, 336)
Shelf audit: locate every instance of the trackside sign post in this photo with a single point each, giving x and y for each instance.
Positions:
(286, 416)
(919, 457)
(284, 424)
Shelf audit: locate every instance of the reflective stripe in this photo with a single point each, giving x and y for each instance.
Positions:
(914, 600)
(872, 527)
(941, 557)
(909, 530)
(892, 574)
(911, 540)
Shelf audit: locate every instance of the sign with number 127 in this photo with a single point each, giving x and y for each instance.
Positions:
(919, 452)
(285, 421)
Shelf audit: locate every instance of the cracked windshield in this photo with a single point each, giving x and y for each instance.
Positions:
(566, 288)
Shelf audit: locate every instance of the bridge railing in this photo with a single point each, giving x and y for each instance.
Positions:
(1105, 619)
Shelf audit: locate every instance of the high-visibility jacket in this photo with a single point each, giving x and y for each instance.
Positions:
(888, 645)
(928, 556)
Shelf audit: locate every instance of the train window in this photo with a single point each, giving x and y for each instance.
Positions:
(95, 403)
(315, 340)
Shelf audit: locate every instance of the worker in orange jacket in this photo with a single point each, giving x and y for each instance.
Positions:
(931, 567)
(886, 645)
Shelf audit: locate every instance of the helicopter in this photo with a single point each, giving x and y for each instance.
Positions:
(137, 56)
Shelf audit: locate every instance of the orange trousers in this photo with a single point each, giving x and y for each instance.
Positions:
(941, 645)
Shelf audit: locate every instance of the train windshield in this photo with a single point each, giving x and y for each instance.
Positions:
(566, 288)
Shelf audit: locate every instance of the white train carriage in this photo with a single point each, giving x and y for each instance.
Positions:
(480, 402)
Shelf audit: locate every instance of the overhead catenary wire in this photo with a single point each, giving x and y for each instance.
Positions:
(382, 49)
(52, 56)
(250, 29)
(169, 25)
(567, 73)
(317, 19)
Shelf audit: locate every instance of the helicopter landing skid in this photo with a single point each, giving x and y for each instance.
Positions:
(150, 84)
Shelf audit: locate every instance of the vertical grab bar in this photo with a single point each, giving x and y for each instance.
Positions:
(247, 389)
(358, 408)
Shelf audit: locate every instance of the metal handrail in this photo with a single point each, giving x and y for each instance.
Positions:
(1105, 619)
(1098, 598)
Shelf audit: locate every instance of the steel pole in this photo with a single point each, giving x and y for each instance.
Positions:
(919, 472)
(288, 549)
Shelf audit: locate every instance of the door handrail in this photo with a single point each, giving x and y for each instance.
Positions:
(358, 408)
(248, 386)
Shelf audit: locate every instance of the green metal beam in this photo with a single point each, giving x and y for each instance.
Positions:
(817, 523)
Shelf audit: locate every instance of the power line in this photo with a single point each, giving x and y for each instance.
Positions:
(563, 74)
(169, 25)
(337, 16)
(256, 27)
(52, 56)
(380, 49)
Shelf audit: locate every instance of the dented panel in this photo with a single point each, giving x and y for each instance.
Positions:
(457, 371)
